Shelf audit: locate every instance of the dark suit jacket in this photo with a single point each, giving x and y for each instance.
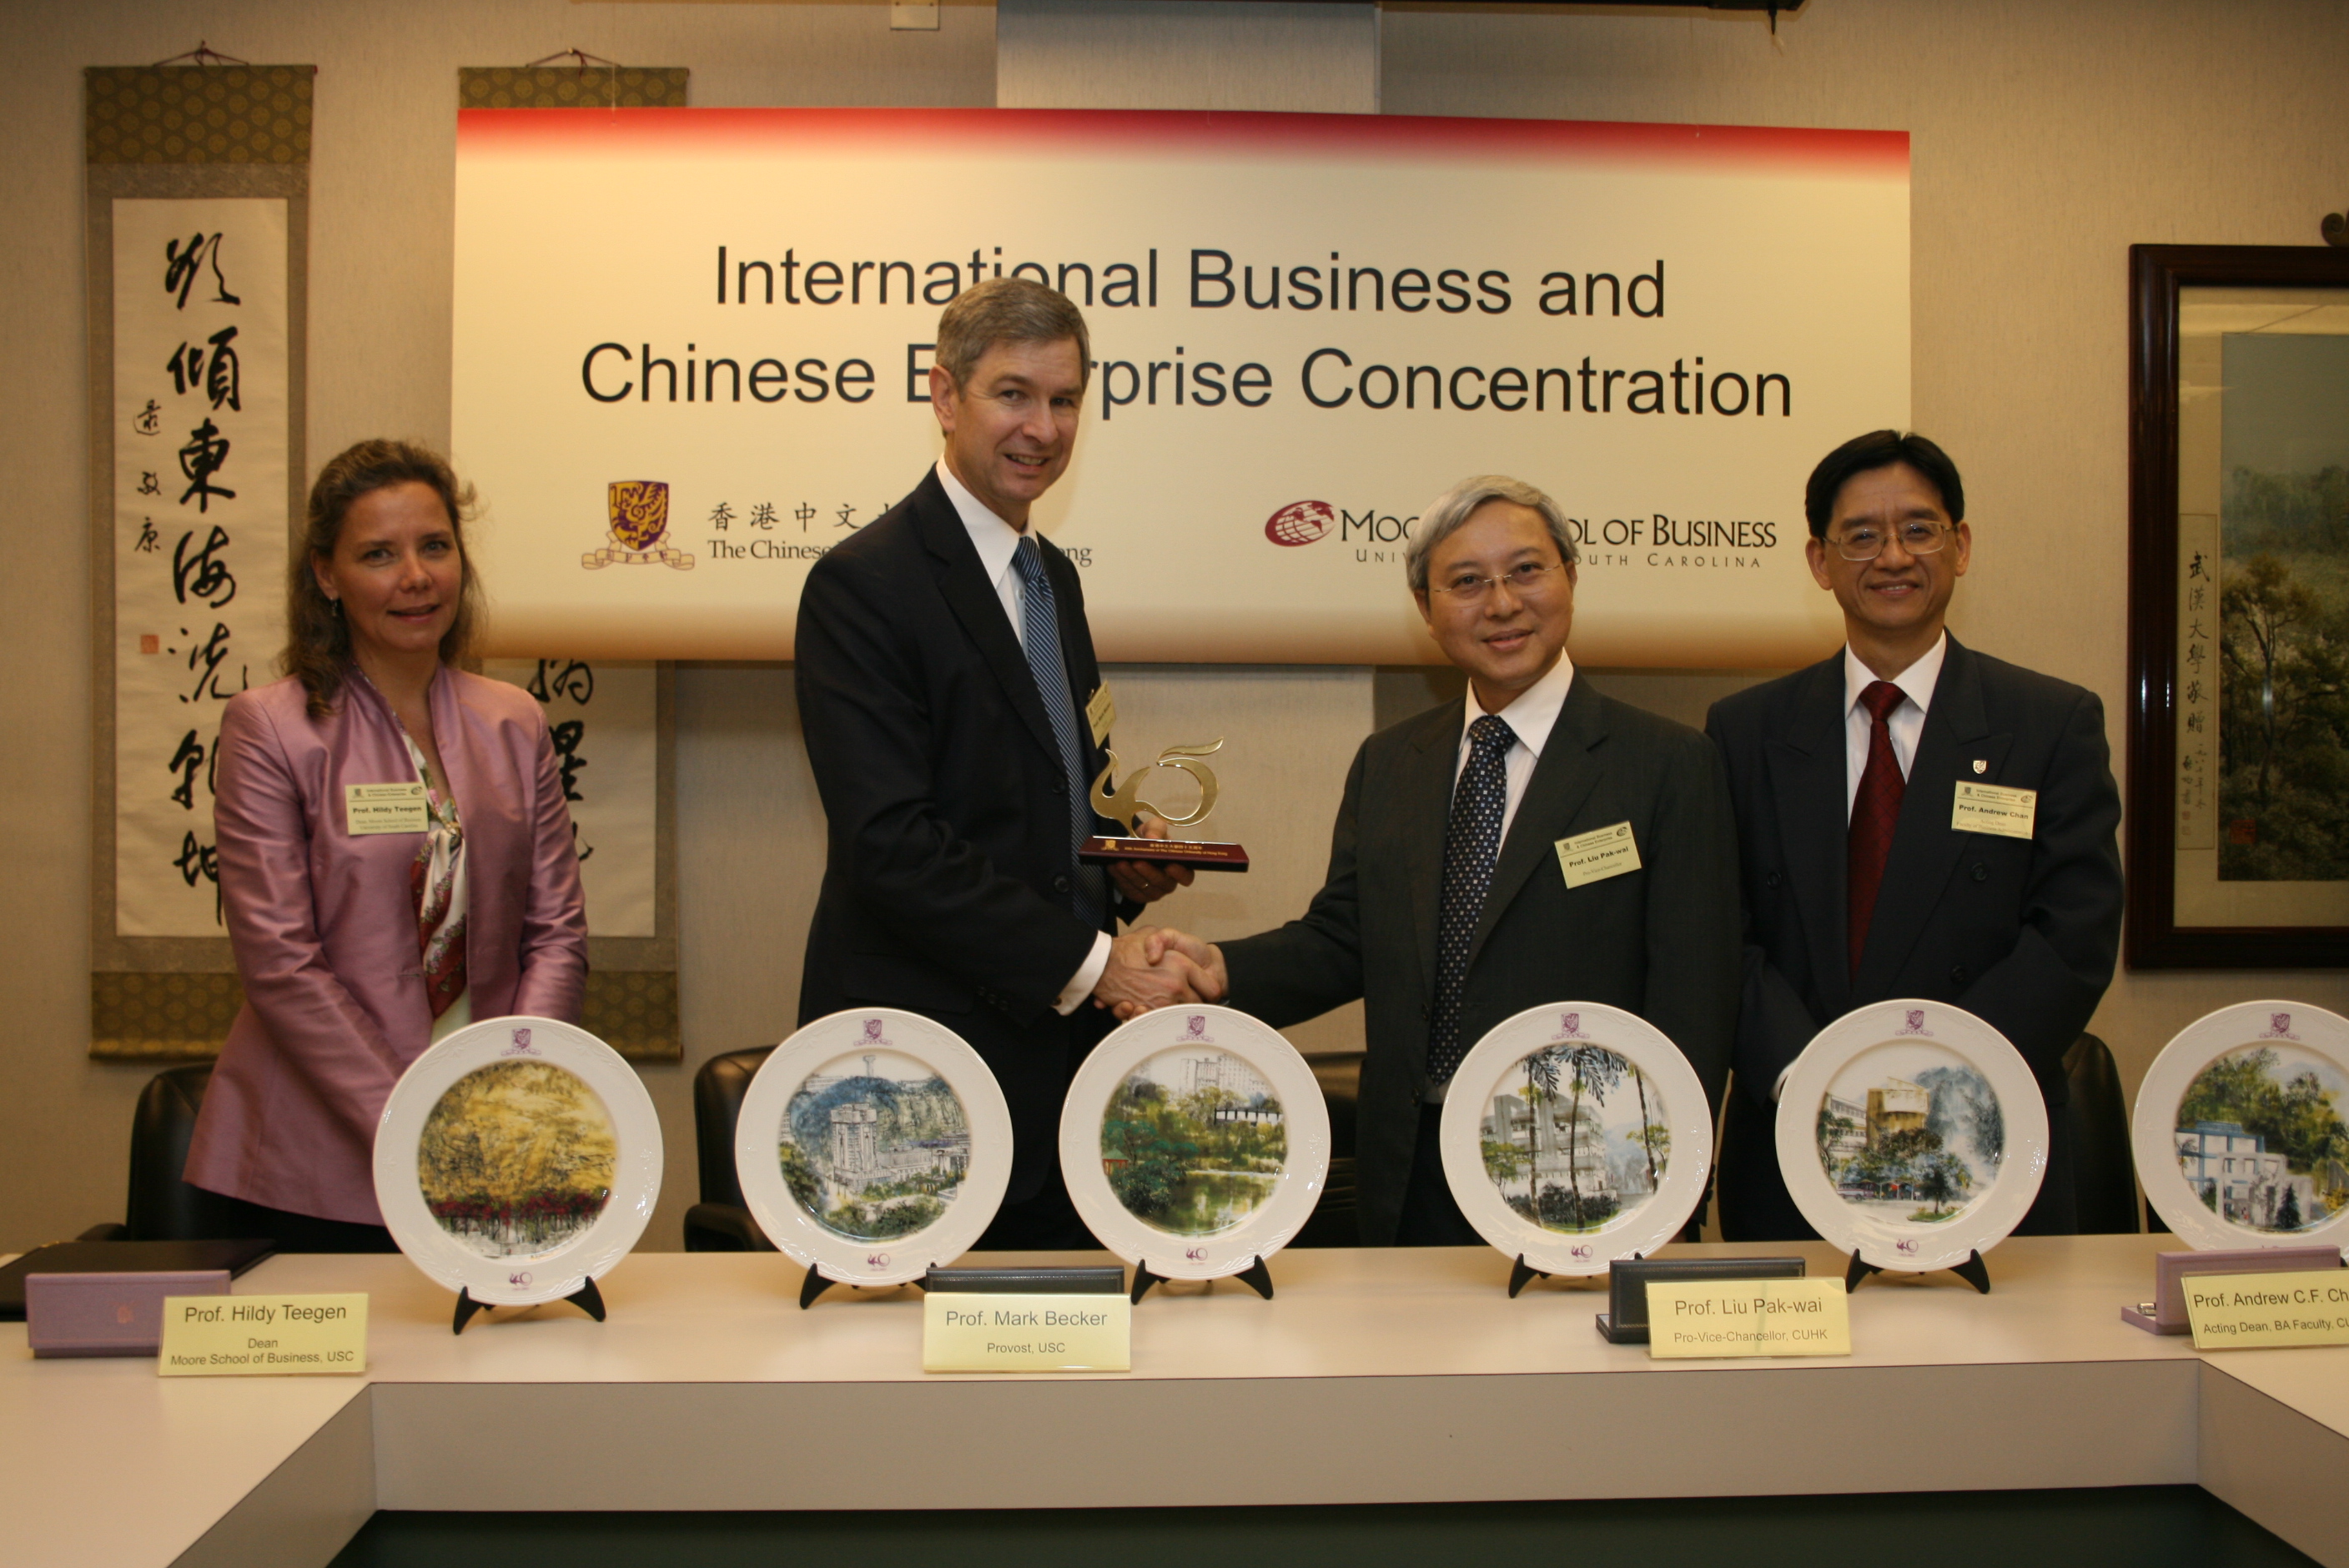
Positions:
(946, 877)
(2020, 933)
(1659, 942)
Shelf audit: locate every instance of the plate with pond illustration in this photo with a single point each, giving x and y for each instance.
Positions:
(1195, 1140)
(872, 1145)
(2239, 1130)
(1575, 1134)
(517, 1158)
(1913, 1133)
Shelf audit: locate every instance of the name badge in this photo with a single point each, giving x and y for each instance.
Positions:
(1594, 856)
(977, 1331)
(2257, 1311)
(262, 1335)
(1101, 713)
(371, 808)
(1987, 809)
(1748, 1317)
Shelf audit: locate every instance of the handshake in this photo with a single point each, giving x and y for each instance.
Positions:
(1154, 966)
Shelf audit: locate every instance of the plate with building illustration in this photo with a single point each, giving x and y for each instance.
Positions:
(1576, 1134)
(518, 1158)
(2239, 1130)
(873, 1145)
(1195, 1140)
(1912, 1133)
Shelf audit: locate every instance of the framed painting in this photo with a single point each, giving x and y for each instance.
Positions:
(2237, 839)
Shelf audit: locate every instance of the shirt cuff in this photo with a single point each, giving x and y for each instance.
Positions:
(1780, 1086)
(1087, 976)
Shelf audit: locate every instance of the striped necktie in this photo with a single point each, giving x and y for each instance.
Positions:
(1040, 631)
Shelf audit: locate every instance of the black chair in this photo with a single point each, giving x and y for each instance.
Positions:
(720, 1223)
(163, 1207)
(2104, 1171)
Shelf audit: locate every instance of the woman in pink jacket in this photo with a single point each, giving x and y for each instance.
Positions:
(369, 918)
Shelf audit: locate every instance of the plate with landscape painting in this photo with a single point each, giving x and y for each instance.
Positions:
(873, 1145)
(1575, 1134)
(1195, 1140)
(518, 1158)
(2239, 1134)
(1912, 1133)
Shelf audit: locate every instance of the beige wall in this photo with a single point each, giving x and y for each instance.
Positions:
(2046, 140)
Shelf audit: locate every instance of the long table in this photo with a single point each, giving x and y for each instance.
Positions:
(1373, 1377)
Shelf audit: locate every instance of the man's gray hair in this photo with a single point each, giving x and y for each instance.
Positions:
(1452, 508)
(1007, 310)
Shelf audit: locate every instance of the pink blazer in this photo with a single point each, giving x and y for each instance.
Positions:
(323, 925)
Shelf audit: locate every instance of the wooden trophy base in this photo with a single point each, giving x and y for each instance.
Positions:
(1199, 854)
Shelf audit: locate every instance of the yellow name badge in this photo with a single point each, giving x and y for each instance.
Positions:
(1987, 809)
(369, 809)
(977, 1331)
(2268, 1310)
(260, 1335)
(1748, 1317)
(1598, 855)
(1101, 713)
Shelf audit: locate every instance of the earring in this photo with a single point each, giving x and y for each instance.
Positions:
(337, 606)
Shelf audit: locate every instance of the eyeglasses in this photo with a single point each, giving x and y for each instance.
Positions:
(1864, 541)
(1524, 577)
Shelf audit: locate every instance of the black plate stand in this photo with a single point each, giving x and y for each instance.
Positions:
(817, 1283)
(1256, 1277)
(586, 1298)
(1521, 1275)
(1973, 1271)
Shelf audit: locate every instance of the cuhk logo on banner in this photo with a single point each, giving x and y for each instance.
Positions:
(639, 522)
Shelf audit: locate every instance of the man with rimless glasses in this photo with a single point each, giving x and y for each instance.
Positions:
(1914, 818)
(1531, 842)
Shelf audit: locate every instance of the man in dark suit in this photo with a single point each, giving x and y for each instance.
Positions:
(1858, 887)
(1448, 908)
(946, 688)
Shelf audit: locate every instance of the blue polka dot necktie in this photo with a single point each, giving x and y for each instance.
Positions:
(1470, 845)
(1039, 625)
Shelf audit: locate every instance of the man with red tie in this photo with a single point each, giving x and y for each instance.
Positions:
(1857, 885)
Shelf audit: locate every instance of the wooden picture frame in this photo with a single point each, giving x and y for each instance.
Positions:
(2184, 909)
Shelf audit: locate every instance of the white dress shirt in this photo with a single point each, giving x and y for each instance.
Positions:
(1907, 721)
(997, 542)
(1531, 715)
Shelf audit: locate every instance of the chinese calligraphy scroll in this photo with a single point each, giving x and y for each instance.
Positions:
(198, 213)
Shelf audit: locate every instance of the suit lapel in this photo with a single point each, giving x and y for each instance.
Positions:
(1925, 849)
(1426, 790)
(1563, 775)
(1807, 780)
(968, 592)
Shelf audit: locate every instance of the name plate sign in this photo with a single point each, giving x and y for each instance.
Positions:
(260, 1335)
(1748, 1317)
(975, 1331)
(2267, 1311)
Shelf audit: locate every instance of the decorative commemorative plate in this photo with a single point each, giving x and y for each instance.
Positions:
(516, 1160)
(2239, 1134)
(1912, 1133)
(873, 1145)
(1195, 1140)
(1576, 1134)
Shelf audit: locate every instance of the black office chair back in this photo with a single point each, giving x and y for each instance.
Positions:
(722, 1223)
(2104, 1171)
(163, 1207)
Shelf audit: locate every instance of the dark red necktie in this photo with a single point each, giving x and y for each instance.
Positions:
(1875, 811)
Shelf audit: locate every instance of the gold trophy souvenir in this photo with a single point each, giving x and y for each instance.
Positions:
(1201, 854)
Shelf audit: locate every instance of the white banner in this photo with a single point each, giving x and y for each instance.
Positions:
(690, 346)
(605, 720)
(200, 487)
